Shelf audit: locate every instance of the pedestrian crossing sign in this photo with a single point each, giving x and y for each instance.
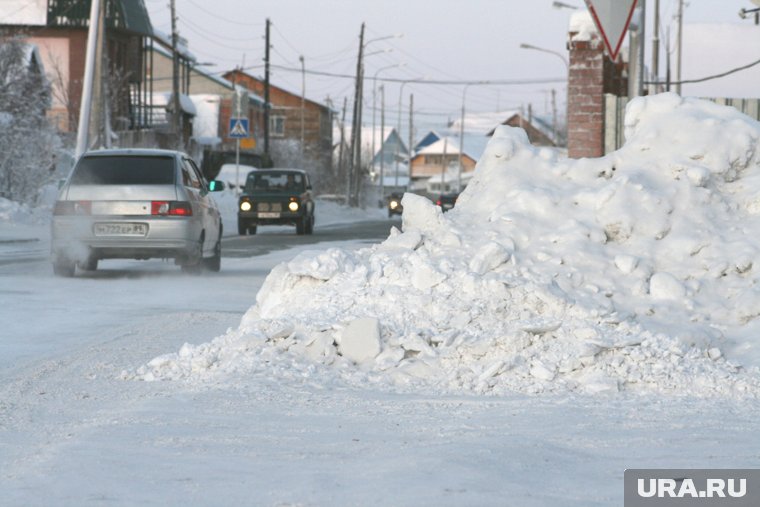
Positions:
(239, 128)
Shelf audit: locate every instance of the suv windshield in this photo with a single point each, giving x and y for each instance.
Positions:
(121, 170)
(260, 181)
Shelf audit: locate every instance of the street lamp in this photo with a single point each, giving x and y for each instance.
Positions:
(557, 54)
(756, 11)
(382, 129)
(400, 96)
(461, 138)
(561, 5)
(385, 37)
(356, 128)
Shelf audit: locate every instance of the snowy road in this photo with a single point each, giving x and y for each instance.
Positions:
(72, 432)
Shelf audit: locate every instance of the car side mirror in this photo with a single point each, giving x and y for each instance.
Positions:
(215, 185)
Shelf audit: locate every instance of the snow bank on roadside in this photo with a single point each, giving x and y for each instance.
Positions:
(630, 272)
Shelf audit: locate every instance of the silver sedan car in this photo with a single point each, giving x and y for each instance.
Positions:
(136, 204)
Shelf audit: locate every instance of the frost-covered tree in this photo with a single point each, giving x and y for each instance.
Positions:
(27, 140)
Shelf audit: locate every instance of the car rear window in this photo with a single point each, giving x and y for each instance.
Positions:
(260, 181)
(133, 170)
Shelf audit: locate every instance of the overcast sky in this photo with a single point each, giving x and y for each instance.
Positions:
(442, 40)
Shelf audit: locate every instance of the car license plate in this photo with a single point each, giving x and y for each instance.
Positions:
(120, 229)
(268, 214)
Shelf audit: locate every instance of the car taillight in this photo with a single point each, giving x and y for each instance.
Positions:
(72, 208)
(438, 202)
(171, 208)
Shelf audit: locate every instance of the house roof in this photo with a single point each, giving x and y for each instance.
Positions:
(447, 144)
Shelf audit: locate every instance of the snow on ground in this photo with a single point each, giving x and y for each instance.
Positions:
(633, 272)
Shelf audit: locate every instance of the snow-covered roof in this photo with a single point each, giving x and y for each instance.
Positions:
(483, 122)
(377, 135)
(212, 77)
(165, 40)
(166, 99)
(448, 145)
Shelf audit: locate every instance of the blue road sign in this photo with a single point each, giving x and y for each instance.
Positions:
(239, 128)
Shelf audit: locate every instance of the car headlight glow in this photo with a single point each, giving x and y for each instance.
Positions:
(394, 204)
(293, 206)
(245, 206)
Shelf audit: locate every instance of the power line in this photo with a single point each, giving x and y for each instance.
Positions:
(708, 78)
(434, 81)
(217, 16)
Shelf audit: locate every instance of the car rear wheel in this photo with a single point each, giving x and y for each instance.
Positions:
(310, 225)
(301, 225)
(64, 267)
(214, 263)
(91, 264)
(193, 263)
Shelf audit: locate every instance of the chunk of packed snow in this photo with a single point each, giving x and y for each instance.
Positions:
(360, 340)
(631, 272)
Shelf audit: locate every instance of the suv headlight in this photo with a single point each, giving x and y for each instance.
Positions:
(245, 206)
(293, 206)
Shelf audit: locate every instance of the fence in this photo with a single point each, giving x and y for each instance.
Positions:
(614, 116)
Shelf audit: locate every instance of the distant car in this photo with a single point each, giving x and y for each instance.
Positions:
(228, 173)
(394, 204)
(447, 201)
(136, 204)
(276, 197)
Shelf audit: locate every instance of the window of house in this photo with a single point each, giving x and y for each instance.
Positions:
(277, 126)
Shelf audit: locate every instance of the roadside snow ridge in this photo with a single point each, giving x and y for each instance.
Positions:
(632, 272)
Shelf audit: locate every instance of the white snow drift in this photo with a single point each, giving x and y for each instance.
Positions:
(636, 271)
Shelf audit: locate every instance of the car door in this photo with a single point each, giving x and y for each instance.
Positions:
(211, 217)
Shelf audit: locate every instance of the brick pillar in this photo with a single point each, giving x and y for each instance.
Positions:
(585, 98)
(592, 74)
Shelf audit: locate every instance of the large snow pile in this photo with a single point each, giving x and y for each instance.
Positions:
(636, 271)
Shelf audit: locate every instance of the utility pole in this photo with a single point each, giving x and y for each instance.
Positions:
(656, 46)
(356, 128)
(175, 79)
(444, 163)
(642, 46)
(679, 44)
(341, 155)
(554, 116)
(85, 106)
(303, 102)
(382, 141)
(267, 158)
(98, 119)
(411, 135)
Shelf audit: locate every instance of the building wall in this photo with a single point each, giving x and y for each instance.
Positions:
(317, 119)
(62, 51)
(535, 136)
(55, 55)
(431, 164)
(201, 84)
